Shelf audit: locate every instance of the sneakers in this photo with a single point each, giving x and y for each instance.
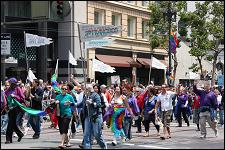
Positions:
(114, 143)
(203, 136)
(20, 137)
(36, 136)
(15, 135)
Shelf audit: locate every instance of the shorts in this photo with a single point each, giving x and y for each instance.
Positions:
(64, 124)
(166, 117)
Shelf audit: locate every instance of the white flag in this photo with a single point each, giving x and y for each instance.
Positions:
(72, 60)
(31, 76)
(35, 40)
(101, 67)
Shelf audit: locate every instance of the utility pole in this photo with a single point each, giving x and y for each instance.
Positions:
(169, 13)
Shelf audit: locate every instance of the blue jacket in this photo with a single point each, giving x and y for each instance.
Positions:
(94, 108)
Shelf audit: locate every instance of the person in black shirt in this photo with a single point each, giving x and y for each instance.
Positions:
(36, 103)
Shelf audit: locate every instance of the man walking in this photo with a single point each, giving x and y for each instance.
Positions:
(165, 100)
(36, 103)
(208, 102)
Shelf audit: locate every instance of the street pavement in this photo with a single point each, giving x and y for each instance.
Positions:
(182, 138)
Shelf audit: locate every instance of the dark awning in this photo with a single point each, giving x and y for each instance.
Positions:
(118, 61)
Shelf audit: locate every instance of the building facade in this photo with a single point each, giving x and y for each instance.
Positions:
(41, 18)
(131, 51)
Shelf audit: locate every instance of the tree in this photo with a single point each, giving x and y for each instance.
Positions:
(207, 30)
(159, 25)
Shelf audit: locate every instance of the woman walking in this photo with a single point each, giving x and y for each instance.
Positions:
(15, 92)
(116, 114)
(149, 111)
(64, 101)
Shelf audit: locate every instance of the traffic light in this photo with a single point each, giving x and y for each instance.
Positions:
(60, 7)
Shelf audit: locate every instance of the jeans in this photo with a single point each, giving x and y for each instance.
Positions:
(96, 128)
(221, 113)
(127, 127)
(19, 119)
(4, 123)
(221, 116)
(35, 124)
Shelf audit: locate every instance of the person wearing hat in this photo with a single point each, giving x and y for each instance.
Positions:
(14, 91)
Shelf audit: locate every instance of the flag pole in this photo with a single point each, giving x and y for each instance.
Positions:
(69, 68)
(150, 70)
(82, 59)
(27, 62)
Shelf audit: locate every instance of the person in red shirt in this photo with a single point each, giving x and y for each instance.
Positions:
(140, 96)
(196, 110)
(106, 92)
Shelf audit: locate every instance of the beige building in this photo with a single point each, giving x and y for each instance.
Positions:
(131, 51)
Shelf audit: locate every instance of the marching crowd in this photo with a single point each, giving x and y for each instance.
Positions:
(119, 107)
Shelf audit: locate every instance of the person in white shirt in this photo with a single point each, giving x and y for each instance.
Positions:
(165, 100)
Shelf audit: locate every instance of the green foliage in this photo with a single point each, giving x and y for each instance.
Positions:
(209, 57)
(159, 23)
(207, 29)
(194, 67)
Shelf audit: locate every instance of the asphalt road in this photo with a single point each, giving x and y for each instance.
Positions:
(182, 138)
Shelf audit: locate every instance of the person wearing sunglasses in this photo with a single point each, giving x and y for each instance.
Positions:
(64, 101)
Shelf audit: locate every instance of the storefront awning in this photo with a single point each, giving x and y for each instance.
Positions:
(118, 61)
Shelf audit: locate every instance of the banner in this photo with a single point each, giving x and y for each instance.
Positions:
(92, 32)
(98, 43)
(36, 41)
(101, 67)
(72, 60)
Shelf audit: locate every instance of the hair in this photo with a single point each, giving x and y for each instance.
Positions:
(37, 81)
(152, 90)
(97, 85)
(64, 85)
(119, 88)
(70, 86)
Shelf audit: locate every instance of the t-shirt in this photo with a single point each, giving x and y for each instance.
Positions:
(65, 110)
(166, 100)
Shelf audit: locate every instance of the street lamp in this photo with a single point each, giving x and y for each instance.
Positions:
(170, 12)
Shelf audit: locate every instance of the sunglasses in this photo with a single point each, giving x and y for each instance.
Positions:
(64, 89)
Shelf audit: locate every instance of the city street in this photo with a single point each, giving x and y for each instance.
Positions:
(182, 137)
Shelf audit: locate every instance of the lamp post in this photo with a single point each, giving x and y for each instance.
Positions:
(170, 13)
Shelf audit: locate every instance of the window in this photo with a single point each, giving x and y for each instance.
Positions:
(131, 26)
(18, 9)
(145, 3)
(145, 29)
(116, 19)
(130, 2)
(99, 17)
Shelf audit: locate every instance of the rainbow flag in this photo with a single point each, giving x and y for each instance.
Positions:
(55, 84)
(174, 42)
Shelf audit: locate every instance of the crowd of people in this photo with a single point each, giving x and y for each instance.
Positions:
(119, 107)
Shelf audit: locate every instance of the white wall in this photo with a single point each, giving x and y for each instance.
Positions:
(185, 61)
